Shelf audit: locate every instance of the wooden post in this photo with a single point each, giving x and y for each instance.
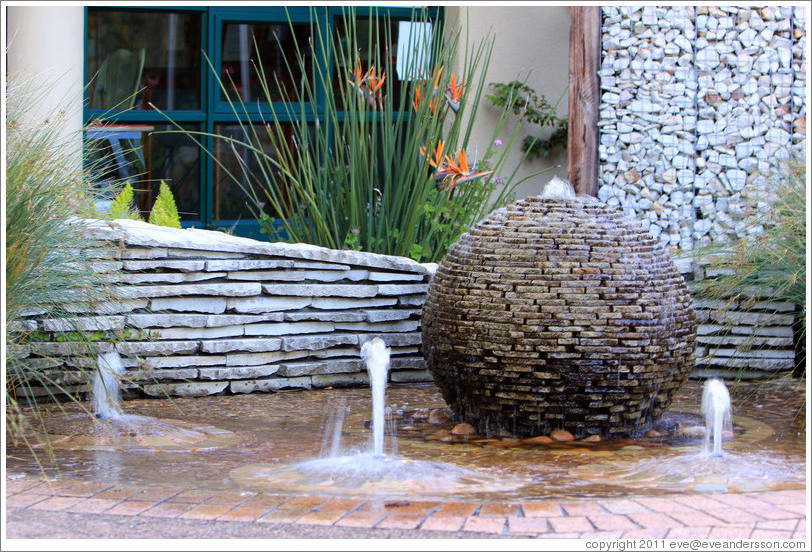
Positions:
(584, 98)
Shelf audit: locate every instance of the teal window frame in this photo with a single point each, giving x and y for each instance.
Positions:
(213, 110)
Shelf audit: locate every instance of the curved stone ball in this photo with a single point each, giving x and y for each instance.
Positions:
(558, 314)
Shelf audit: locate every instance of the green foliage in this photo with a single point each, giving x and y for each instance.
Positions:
(771, 264)
(164, 211)
(364, 175)
(122, 206)
(49, 260)
(523, 101)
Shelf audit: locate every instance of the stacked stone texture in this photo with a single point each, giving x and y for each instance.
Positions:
(199, 312)
(698, 104)
(698, 107)
(558, 315)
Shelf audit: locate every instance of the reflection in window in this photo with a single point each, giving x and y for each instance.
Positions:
(376, 44)
(143, 155)
(243, 171)
(136, 57)
(273, 42)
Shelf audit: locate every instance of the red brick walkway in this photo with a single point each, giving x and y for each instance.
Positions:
(756, 515)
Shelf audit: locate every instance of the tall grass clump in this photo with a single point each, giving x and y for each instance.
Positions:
(770, 265)
(49, 261)
(359, 159)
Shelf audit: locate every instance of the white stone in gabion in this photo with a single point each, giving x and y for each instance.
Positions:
(748, 36)
(736, 179)
(683, 43)
(707, 58)
(705, 126)
(778, 136)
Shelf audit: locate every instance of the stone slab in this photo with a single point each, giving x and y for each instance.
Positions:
(249, 345)
(237, 372)
(211, 305)
(186, 389)
(216, 289)
(269, 385)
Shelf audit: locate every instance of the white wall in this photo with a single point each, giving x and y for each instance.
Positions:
(530, 40)
(44, 46)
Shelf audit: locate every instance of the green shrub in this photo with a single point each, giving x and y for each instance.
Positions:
(770, 264)
(122, 206)
(524, 102)
(49, 261)
(387, 168)
(164, 211)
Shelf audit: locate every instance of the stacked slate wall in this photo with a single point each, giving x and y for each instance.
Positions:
(698, 107)
(200, 312)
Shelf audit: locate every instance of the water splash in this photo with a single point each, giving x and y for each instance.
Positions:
(716, 410)
(107, 386)
(376, 354)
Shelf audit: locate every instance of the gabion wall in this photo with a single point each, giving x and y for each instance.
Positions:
(556, 314)
(697, 105)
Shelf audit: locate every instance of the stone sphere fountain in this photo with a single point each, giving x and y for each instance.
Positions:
(558, 312)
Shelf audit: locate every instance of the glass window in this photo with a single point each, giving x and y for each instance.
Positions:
(249, 49)
(143, 154)
(377, 44)
(240, 170)
(137, 57)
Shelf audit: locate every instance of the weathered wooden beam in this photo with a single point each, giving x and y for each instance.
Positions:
(584, 98)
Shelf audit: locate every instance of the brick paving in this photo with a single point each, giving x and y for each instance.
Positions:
(750, 515)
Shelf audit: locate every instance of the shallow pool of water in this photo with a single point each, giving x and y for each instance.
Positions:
(262, 442)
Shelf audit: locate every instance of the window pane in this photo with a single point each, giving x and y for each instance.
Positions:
(138, 57)
(273, 42)
(249, 171)
(377, 42)
(143, 156)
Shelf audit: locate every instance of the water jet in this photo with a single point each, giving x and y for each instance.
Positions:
(716, 411)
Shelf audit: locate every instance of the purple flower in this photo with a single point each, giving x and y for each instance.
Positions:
(497, 142)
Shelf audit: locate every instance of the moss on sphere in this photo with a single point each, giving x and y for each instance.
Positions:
(558, 314)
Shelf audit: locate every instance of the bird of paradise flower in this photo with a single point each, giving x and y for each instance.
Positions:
(369, 85)
(451, 171)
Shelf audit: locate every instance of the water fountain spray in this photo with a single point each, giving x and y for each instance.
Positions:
(375, 354)
(106, 385)
(716, 410)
